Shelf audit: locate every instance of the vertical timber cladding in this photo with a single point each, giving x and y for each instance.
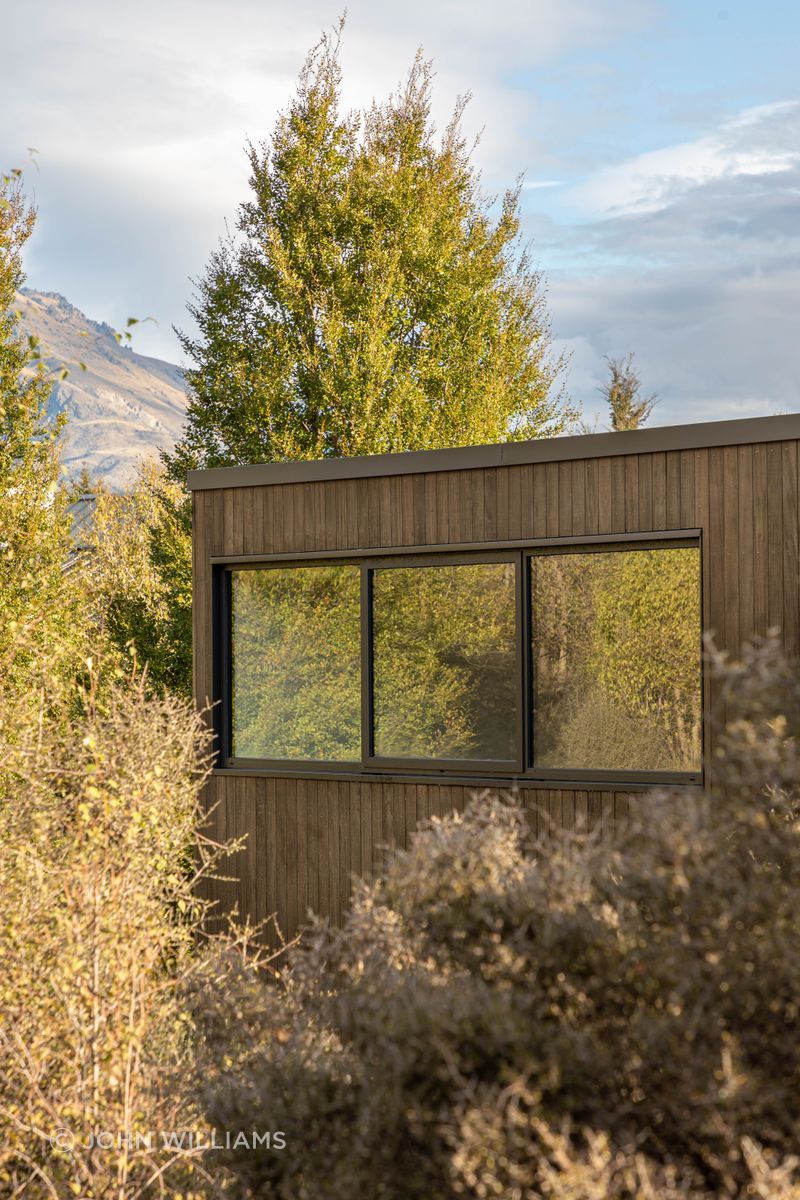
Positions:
(736, 482)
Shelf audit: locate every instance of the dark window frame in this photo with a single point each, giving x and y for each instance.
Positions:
(223, 674)
(519, 770)
(587, 775)
(447, 766)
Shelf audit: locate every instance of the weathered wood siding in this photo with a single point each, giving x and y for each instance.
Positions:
(306, 837)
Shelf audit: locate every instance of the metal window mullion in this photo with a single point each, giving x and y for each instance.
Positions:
(527, 661)
(367, 667)
(222, 648)
(520, 624)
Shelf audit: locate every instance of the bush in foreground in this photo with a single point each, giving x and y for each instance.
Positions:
(99, 809)
(98, 815)
(572, 1019)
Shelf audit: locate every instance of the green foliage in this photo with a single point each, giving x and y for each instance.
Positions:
(39, 605)
(371, 302)
(617, 643)
(138, 577)
(573, 1018)
(627, 407)
(297, 666)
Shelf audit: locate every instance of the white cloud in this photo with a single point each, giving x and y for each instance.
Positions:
(140, 115)
(750, 144)
(689, 254)
(701, 284)
(98, 76)
(711, 348)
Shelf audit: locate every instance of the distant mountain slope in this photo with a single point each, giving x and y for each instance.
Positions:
(124, 407)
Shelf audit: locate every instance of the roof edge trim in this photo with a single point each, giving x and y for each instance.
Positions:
(505, 454)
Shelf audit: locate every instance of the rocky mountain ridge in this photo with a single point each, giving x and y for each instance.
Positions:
(122, 408)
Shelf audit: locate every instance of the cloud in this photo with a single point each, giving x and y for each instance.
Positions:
(688, 254)
(102, 81)
(140, 116)
(696, 267)
(759, 141)
(711, 349)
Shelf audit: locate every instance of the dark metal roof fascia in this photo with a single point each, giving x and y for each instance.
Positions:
(504, 454)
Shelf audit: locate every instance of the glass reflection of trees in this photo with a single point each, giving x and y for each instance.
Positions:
(296, 690)
(616, 659)
(445, 677)
(615, 653)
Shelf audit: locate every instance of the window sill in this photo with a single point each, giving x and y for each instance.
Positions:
(479, 782)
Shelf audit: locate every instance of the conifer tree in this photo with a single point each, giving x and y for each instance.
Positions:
(371, 302)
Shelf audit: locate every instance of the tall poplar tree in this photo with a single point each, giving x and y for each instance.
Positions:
(370, 300)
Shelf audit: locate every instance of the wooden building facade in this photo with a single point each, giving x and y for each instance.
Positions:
(724, 492)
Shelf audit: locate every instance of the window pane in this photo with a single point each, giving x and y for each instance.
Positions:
(445, 678)
(616, 660)
(296, 664)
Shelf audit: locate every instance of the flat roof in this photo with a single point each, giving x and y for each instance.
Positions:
(505, 454)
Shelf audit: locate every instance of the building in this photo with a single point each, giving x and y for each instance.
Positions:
(382, 636)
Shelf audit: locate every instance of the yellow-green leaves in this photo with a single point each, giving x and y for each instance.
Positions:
(39, 604)
(374, 302)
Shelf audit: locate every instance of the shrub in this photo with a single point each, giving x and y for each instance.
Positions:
(98, 858)
(575, 1018)
(99, 804)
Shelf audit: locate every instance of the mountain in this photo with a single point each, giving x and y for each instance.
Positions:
(123, 408)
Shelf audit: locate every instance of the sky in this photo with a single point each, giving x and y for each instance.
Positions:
(659, 143)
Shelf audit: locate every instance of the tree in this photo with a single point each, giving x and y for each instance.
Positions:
(138, 576)
(38, 603)
(372, 302)
(99, 851)
(618, 659)
(629, 410)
